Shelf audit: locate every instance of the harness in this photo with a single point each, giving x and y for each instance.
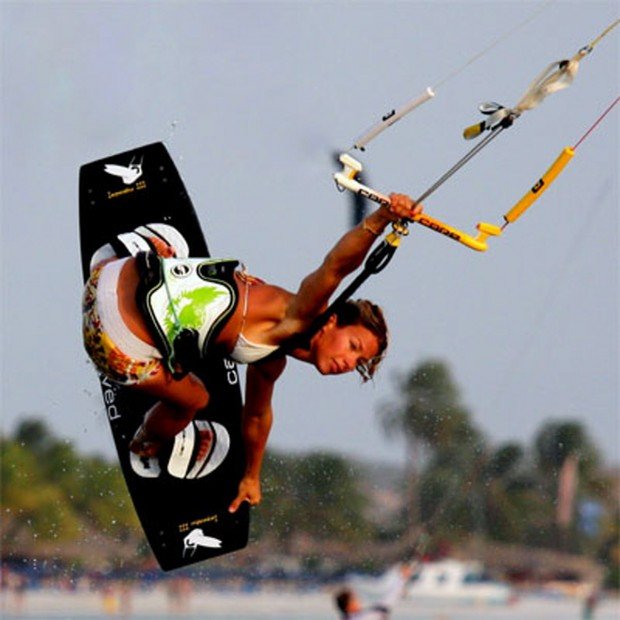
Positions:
(186, 302)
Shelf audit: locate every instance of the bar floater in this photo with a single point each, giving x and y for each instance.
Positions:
(540, 186)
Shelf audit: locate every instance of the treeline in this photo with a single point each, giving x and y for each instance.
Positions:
(50, 492)
(554, 493)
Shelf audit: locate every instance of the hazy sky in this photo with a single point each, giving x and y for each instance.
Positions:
(252, 99)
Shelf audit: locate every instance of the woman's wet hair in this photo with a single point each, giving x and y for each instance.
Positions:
(365, 313)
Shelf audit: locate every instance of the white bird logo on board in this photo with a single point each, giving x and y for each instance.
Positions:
(130, 174)
(196, 538)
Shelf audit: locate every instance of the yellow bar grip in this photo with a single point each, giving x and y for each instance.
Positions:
(449, 231)
(543, 183)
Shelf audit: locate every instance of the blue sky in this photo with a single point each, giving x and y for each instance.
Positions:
(252, 100)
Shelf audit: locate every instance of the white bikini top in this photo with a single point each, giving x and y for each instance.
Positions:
(246, 351)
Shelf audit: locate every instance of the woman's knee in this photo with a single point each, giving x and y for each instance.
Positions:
(199, 399)
(189, 394)
(182, 397)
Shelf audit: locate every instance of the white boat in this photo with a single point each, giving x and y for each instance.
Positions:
(456, 581)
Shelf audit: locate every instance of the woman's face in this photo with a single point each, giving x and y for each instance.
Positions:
(336, 350)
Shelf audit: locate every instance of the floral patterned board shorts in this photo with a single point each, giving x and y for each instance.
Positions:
(107, 356)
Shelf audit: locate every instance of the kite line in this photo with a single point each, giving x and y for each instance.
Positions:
(394, 115)
(557, 76)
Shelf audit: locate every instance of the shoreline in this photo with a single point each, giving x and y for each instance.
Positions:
(155, 602)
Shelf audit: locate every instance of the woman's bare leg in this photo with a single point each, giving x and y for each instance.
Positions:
(180, 400)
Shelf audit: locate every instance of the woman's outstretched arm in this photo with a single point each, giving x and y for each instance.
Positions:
(346, 256)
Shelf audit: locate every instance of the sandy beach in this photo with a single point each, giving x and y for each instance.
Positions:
(209, 604)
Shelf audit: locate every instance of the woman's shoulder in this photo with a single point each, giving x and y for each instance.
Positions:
(269, 310)
(269, 300)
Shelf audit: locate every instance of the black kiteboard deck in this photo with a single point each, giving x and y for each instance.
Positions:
(182, 503)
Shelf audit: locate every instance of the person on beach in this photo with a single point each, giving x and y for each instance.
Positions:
(394, 581)
(150, 318)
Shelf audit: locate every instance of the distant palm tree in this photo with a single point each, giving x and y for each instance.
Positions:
(429, 416)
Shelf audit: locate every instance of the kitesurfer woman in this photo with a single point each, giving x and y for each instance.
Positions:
(137, 311)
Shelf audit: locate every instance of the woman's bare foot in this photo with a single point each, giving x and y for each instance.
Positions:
(143, 445)
(206, 441)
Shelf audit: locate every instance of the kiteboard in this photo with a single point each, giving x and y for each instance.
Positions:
(181, 497)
